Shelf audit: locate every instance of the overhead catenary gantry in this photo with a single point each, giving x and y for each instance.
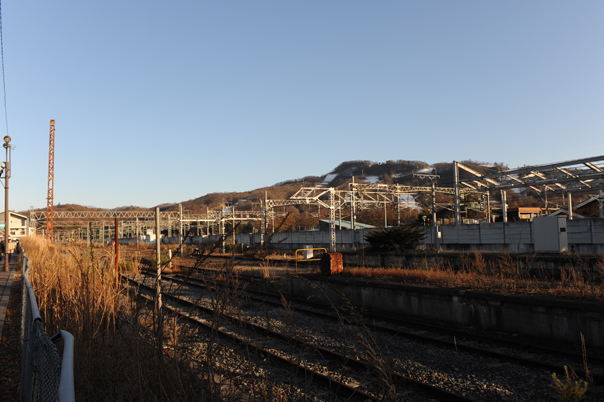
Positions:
(360, 194)
(572, 176)
(578, 175)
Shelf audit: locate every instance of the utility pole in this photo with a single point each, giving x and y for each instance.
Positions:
(7, 171)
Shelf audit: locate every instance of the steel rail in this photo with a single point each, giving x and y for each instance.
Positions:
(346, 360)
(341, 388)
(427, 339)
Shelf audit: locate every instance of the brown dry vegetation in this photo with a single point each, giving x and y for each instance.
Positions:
(120, 355)
(116, 358)
(505, 276)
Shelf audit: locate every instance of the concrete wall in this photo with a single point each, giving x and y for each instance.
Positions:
(585, 236)
(345, 239)
(549, 318)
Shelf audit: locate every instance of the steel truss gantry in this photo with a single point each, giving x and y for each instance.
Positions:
(578, 175)
(360, 194)
(41, 215)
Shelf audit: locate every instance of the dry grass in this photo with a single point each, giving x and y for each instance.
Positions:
(119, 355)
(115, 357)
(504, 275)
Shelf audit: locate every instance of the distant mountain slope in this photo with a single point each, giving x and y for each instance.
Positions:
(389, 172)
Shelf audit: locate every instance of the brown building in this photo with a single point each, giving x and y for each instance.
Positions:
(523, 213)
(589, 208)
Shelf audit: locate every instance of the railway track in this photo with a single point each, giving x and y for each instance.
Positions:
(335, 371)
(527, 353)
(434, 342)
(516, 352)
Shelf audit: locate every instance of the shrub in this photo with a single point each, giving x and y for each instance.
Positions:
(396, 239)
(571, 390)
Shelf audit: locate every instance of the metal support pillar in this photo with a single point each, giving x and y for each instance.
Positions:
(332, 221)
(434, 228)
(457, 214)
(233, 226)
(117, 254)
(353, 210)
(263, 220)
(570, 207)
(600, 205)
(385, 214)
(221, 229)
(180, 228)
(158, 285)
(398, 210)
(433, 205)
(488, 207)
(504, 206)
(138, 233)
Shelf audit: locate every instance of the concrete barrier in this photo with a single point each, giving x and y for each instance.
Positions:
(534, 317)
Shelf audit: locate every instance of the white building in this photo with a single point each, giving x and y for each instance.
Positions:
(19, 225)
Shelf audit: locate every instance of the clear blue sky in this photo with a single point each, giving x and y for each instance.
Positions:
(160, 102)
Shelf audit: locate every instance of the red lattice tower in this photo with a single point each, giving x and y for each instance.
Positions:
(50, 205)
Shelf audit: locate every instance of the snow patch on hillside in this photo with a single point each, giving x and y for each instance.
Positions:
(372, 179)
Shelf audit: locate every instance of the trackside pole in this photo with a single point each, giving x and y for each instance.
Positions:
(117, 254)
(180, 228)
(158, 286)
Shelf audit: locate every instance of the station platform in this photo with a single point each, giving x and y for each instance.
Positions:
(6, 283)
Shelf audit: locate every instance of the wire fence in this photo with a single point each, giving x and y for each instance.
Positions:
(44, 375)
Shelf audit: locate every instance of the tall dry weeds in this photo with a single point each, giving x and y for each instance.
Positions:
(507, 274)
(114, 359)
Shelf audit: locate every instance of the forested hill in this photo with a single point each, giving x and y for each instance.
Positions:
(390, 172)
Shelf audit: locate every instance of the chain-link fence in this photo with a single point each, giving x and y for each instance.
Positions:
(44, 375)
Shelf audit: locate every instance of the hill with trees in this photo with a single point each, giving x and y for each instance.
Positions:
(304, 217)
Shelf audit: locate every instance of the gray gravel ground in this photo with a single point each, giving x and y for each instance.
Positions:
(482, 378)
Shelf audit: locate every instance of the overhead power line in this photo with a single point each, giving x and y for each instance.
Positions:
(3, 80)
